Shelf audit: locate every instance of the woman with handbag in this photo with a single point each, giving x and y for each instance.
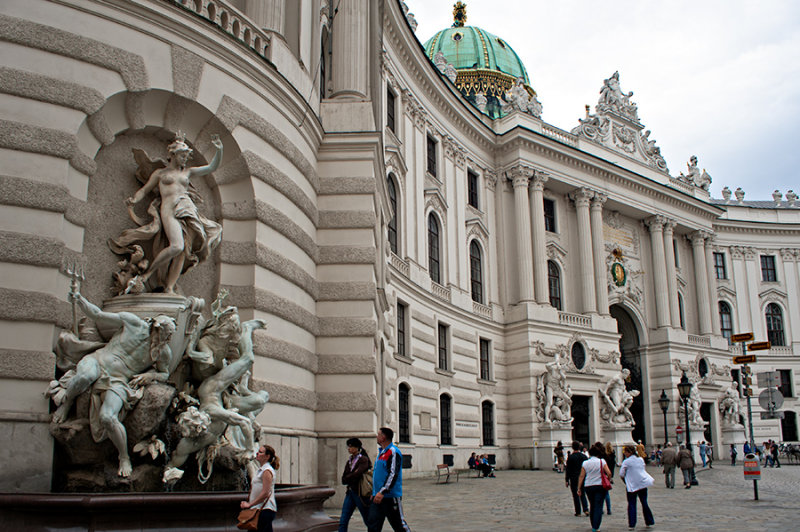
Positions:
(595, 480)
(637, 480)
(262, 493)
(357, 476)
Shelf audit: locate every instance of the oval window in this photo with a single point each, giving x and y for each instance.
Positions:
(578, 355)
(702, 367)
(458, 36)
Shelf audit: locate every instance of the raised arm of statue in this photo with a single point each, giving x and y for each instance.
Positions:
(215, 161)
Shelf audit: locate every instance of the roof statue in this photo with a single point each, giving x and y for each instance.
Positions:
(459, 14)
(693, 175)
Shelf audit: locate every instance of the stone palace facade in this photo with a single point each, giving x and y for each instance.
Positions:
(427, 253)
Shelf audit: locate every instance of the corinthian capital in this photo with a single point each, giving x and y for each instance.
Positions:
(581, 196)
(599, 200)
(656, 223)
(698, 238)
(669, 225)
(490, 178)
(539, 179)
(520, 175)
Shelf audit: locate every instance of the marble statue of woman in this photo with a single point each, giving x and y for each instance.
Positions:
(182, 237)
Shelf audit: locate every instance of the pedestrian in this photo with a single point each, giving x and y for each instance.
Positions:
(637, 480)
(734, 452)
(559, 452)
(591, 482)
(767, 453)
(611, 461)
(746, 448)
(670, 459)
(709, 454)
(387, 485)
(354, 471)
(573, 472)
(703, 451)
(686, 463)
(641, 452)
(262, 488)
(774, 450)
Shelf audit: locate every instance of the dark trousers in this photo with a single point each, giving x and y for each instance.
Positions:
(580, 501)
(265, 519)
(596, 496)
(648, 515)
(352, 501)
(391, 509)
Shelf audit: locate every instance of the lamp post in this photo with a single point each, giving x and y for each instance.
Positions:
(684, 390)
(663, 402)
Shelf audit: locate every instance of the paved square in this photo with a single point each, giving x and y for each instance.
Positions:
(538, 500)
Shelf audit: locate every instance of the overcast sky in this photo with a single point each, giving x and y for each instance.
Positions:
(719, 79)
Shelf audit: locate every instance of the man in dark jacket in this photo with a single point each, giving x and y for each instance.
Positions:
(669, 457)
(573, 471)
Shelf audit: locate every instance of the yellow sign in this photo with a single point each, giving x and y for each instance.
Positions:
(742, 337)
(759, 346)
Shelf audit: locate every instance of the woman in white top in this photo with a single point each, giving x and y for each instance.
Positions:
(591, 481)
(637, 480)
(262, 488)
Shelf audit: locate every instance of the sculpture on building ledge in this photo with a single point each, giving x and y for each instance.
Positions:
(517, 98)
(694, 403)
(693, 175)
(617, 401)
(554, 394)
(613, 99)
(180, 236)
(729, 406)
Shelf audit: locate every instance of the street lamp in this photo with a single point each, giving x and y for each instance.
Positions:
(663, 402)
(684, 389)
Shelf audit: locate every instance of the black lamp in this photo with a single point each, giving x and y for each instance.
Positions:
(663, 402)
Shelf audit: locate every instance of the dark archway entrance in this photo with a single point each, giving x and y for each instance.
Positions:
(632, 361)
(705, 413)
(580, 423)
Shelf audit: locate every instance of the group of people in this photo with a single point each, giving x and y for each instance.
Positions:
(681, 459)
(590, 478)
(769, 451)
(481, 463)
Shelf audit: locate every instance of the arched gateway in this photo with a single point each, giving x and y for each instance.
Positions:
(631, 359)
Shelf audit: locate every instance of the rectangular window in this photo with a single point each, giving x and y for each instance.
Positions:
(719, 266)
(737, 380)
(675, 252)
(390, 106)
(549, 215)
(401, 329)
(445, 420)
(484, 347)
(487, 420)
(443, 347)
(472, 188)
(403, 421)
(768, 269)
(786, 383)
(431, 156)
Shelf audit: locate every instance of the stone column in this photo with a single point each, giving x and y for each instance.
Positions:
(698, 239)
(540, 284)
(490, 181)
(350, 68)
(672, 281)
(599, 252)
(740, 285)
(656, 226)
(581, 197)
(520, 176)
(711, 275)
(753, 276)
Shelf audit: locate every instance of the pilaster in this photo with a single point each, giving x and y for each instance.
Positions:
(582, 197)
(656, 226)
(520, 177)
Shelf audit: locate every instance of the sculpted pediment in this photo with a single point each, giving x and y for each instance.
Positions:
(772, 295)
(476, 227)
(435, 200)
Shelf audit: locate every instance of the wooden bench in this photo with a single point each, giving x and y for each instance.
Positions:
(474, 472)
(444, 471)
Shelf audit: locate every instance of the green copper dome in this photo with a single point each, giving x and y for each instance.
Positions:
(471, 48)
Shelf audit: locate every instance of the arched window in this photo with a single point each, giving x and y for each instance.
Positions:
(393, 222)
(554, 282)
(725, 320)
(403, 414)
(775, 325)
(680, 312)
(487, 422)
(433, 249)
(476, 271)
(445, 420)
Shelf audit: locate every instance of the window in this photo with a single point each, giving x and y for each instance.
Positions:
(475, 272)
(401, 329)
(675, 252)
(402, 414)
(680, 312)
(785, 386)
(775, 324)
(487, 422)
(393, 222)
(433, 249)
(443, 347)
(390, 107)
(725, 319)
(431, 156)
(484, 362)
(554, 282)
(719, 266)
(445, 419)
(549, 215)
(578, 353)
(768, 269)
(472, 188)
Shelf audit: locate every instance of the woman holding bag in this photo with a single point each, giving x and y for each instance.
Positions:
(357, 472)
(592, 481)
(637, 480)
(262, 489)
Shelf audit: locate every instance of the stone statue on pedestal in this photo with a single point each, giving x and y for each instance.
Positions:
(729, 406)
(554, 394)
(617, 400)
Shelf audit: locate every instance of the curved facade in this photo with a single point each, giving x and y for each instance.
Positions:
(418, 263)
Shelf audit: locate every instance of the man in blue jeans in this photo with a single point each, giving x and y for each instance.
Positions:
(387, 485)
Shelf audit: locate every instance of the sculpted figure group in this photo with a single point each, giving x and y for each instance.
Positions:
(617, 400)
(729, 406)
(555, 395)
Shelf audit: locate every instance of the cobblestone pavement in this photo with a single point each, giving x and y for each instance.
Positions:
(538, 500)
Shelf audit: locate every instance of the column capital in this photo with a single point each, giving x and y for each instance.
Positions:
(539, 179)
(581, 196)
(520, 175)
(669, 225)
(490, 178)
(698, 238)
(599, 200)
(788, 254)
(655, 223)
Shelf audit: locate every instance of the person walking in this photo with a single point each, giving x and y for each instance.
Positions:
(670, 459)
(733, 452)
(611, 461)
(775, 451)
(591, 482)
(559, 452)
(573, 472)
(637, 480)
(354, 470)
(387, 486)
(709, 454)
(686, 463)
(262, 488)
(641, 452)
(703, 451)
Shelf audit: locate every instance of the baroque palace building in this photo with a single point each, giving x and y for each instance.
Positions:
(423, 247)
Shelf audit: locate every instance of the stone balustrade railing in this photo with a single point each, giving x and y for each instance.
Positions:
(482, 310)
(560, 135)
(677, 183)
(231, 21)
(440, 291)
(576, 320)
(695, 339)
(400, 265)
